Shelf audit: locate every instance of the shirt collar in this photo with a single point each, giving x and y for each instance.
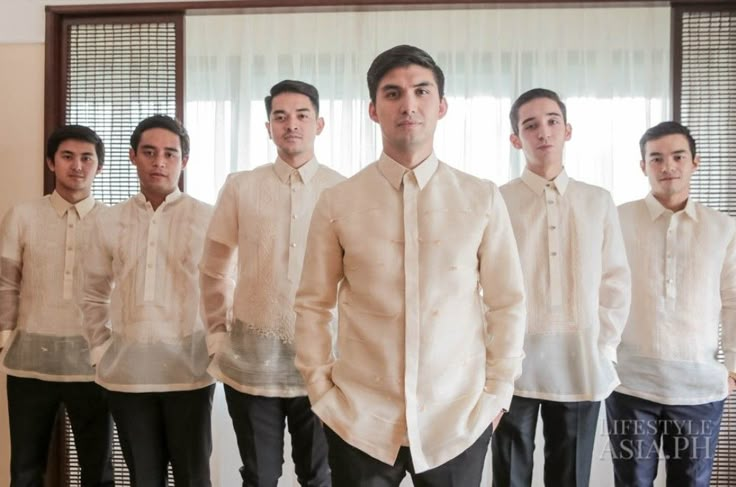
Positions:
(656, 209)
(394, 172)
(62, 206)
(537, 183)
(306, 171)
(170, 198)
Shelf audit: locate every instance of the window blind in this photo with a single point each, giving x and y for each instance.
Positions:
(116, 75)
(705, 101)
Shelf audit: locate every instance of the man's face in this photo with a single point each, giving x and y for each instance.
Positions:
(542, 134)
(75, 166)
(158, 160)
(669, 165)
(407, 108)
(293, 125)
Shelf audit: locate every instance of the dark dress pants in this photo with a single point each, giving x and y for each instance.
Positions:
(569, 434)
(352, 467)
(156, 428)
(32, 409)
(259, 427)
(687, 436)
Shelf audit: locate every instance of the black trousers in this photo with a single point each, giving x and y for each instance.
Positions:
(686, 435)
(569, 434)
(32, 409)
(156, 428)
(352, 467)
(259, 427)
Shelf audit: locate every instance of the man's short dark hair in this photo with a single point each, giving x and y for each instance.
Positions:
(401, 57)
(662, 129)
(293, 86)
(75, 132)
(530, 95)
(160, 121)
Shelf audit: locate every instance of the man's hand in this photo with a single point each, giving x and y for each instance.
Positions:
(497, 419)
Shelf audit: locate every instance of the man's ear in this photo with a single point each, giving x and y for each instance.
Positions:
(443, 107)
(515, 141)
(50, 164)
(372, 112)
(268, 129)
(320, 125)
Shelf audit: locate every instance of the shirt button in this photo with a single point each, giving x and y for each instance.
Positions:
(293, 217)
(293, 244)
(551, 202)
(69, 248)
(669, 281)
(553, 254)
(552, 227)
(71, 225)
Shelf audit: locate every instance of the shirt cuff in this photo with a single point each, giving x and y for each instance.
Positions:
(4, 337)
(214, 342)
(96, 353)
(502, 390)
(317, 390)
(610, 354)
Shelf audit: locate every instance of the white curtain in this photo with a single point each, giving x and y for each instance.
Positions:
(611, 65)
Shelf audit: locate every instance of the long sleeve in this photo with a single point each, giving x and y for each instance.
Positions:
(504, 301)
(10, 276)
(315, 300)
(96, 291)
(728, 303)
(216, 285)
(216, 281)
(615, 287)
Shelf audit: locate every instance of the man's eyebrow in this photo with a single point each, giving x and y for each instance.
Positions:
(397, 87)
(550, 114)
(148, 146)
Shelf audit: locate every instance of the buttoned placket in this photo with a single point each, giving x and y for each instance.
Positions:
(72, 222)
(410, 190)
(149, 287)
(296, 190)
(670, 261)
(552, 204)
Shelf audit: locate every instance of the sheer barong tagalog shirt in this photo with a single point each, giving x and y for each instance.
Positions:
(41, 331)
(264, 214)
(577, 282)
(425, 274)
(141, 295)
(683, 267)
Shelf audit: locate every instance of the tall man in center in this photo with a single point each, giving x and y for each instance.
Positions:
(264, 214)
(421, 261)
(578, 294)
